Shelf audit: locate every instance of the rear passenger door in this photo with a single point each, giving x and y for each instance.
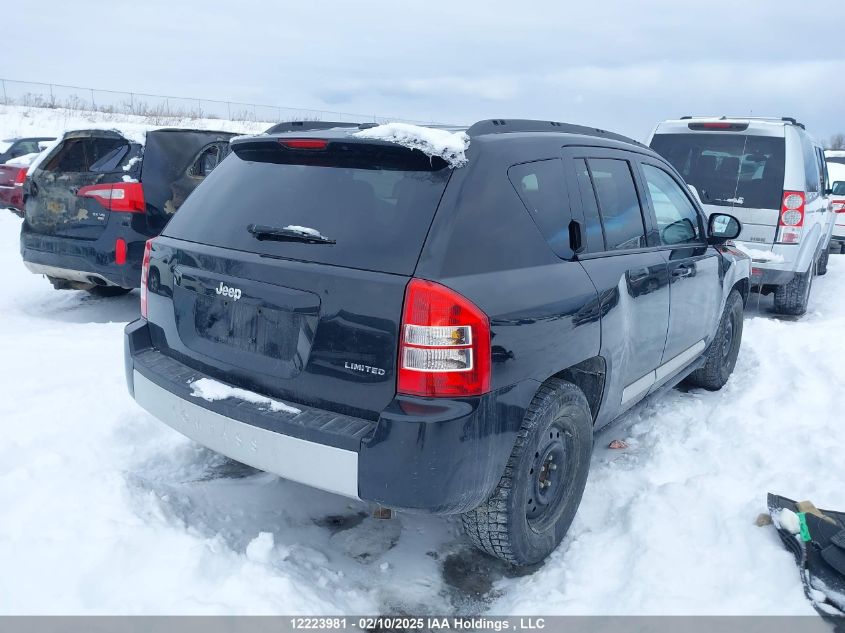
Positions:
(627, 266)
(695, 288)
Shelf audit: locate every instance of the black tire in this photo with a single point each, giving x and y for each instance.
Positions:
(528, 514)
(821, 267)
(792, 298)
(109, 291)
(724, 349)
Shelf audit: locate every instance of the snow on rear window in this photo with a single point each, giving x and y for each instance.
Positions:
(450, 146)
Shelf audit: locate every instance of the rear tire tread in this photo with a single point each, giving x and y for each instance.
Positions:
(488, 525)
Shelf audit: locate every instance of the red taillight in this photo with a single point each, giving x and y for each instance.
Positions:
(20, 177)
(304, 143)
(120, 251)
(838, 206)
(445, 344)
(127, 197)
(791, 220)
(145, 273)
(717, 126)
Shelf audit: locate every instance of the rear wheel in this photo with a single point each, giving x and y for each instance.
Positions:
(528, 514)
(109, 291)
(792, 298)
(723, 351)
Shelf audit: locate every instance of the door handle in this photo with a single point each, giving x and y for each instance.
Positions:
(682, 271)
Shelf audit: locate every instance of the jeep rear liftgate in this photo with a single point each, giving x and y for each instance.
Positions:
(298, 286)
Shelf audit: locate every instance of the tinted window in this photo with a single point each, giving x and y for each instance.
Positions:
(541, 189)
(378, 217)
(593, 229)
(618, 203)
(811, 164)
(728, 169)
(677, 219)
(823, 174)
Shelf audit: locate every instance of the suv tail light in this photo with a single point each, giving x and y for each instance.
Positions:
(127, 197)
(791, 221)
(145, 274)
(20, 177)
(445, 344)
(838, 206)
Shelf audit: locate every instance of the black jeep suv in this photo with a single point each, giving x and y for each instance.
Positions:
(372, 320)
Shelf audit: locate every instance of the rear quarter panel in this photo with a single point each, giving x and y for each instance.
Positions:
(544, 311)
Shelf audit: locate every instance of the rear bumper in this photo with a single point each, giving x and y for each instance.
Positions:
(318, 465)
(770, 277)
(423, 455)
(84, 261)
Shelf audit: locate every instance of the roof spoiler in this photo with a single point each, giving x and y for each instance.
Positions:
(304, 126)
(784, 119)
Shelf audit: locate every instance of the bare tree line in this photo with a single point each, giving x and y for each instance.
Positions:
(837, 141)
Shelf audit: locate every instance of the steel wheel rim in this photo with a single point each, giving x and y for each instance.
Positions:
(549, 475)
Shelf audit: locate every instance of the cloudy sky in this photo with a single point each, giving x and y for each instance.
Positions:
(621, 65)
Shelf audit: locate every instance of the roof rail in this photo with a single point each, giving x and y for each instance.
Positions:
(304, 126)
(502, 126)
(779, 119)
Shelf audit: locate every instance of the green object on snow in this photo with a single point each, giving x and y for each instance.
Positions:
(805, 531)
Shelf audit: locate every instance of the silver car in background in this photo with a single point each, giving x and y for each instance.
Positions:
(770, 174)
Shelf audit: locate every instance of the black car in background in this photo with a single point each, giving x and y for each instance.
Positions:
(17, 147)
(94, 200)
(375, 321)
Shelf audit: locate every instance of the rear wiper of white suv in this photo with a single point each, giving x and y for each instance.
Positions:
(289, 233)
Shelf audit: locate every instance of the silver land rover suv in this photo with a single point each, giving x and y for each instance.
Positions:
(771, 175)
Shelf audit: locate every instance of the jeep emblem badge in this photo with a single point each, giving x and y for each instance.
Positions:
(228, 291)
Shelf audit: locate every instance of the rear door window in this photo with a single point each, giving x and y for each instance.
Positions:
(677, 220)
(728, 169)
(375, 202)
(208, 159)
(540, 185)
(594, 233)
(619, 204)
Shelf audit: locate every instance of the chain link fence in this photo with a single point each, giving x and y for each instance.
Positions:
(43, 95)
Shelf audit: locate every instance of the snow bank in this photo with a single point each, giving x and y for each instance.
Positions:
(211, 390)
(450, 146)
(759, 255)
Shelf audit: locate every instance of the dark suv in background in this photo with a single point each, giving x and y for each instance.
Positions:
(97, 197)
(369, 320)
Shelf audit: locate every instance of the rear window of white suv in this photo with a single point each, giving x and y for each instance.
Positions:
(728, 169)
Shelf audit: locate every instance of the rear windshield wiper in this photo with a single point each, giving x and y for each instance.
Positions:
(288, 234)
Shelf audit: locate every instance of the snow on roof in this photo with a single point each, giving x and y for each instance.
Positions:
(23, 161)
(450, 146)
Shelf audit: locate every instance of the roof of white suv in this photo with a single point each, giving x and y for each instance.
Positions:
(744, 125)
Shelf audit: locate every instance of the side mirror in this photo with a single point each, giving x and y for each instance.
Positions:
(722, 227)
(838, 188)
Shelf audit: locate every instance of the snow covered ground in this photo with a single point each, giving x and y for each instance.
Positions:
(17, 121)
(105, 510)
